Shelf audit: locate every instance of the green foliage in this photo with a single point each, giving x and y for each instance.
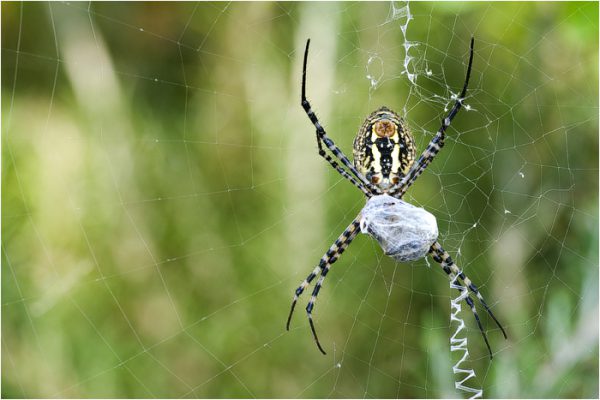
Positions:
(163, 197)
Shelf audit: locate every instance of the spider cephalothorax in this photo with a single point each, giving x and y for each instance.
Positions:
(384, 168)
(384, 149)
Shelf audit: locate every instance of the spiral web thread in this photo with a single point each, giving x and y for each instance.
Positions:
(461, 344)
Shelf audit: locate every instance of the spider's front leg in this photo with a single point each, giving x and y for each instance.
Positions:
(324, 141)
(330, 257)
(443, 258)
(436, 144)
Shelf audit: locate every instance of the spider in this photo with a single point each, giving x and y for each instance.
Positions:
(384, 168)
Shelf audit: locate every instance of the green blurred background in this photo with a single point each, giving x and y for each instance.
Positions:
(162, 198)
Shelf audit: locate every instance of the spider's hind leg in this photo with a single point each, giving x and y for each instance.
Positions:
(443, 258)
(330, 257)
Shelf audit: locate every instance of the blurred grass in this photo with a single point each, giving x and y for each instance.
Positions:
(162, 198)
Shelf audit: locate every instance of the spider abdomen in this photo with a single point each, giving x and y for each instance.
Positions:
(403, 231)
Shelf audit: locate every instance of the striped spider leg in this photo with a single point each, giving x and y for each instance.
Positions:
(436, 143)
(442, 257)
(344, 240)
(322, 139)
(331, 256)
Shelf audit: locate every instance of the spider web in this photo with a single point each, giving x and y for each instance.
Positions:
(163, 197)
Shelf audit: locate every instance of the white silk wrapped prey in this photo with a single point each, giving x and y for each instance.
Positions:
(404, 232)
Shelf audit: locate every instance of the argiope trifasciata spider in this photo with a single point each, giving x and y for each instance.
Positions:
(384, 168)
